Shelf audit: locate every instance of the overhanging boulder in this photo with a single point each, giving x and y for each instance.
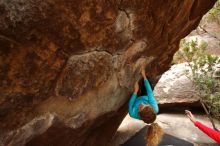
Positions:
(67, 67)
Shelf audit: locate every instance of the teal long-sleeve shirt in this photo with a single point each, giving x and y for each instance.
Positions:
(149, 99)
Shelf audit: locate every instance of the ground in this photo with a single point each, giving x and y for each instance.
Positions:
(175, 125)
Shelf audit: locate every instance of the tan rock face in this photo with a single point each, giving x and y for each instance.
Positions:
(175, 88)
(68, 67)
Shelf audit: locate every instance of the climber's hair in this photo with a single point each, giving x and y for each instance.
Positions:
(154, 135)
(147, 114)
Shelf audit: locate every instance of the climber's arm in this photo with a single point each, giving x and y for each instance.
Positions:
(131, 105)
(132, 101)
(146, 83)
(151, 99)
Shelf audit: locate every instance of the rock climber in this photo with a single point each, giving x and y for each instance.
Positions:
(143, 107)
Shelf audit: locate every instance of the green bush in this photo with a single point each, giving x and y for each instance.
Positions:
(203, 69)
